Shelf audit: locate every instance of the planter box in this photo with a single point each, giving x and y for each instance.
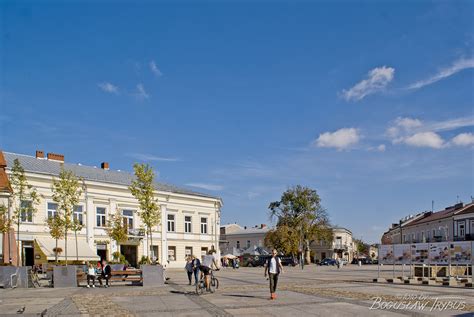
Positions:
(21, 279)
(65, 276)
(153, 275)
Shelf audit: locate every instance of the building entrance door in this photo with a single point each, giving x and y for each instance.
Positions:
(28, 254)
(130, 254)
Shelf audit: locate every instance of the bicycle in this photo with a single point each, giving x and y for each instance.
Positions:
(213, 284)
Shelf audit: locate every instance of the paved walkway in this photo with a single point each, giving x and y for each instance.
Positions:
(316, 291)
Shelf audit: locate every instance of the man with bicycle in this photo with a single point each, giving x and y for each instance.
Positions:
(206, 266)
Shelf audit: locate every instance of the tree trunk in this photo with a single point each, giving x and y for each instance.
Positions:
(307, 252)
(56, 252)
(151, 246)
(77, 252)
(18, 244)
(65, 246)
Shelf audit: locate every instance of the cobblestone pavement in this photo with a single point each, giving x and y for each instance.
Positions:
(315, 291)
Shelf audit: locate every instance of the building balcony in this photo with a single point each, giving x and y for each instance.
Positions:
(467, 237)
(136, 232)
(340, 246)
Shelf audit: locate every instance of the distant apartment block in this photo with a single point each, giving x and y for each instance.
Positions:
(454, 223)
(236, 239)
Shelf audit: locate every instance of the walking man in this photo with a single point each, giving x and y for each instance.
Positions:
(273, 268)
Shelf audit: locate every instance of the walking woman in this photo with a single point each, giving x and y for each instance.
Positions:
(273, 268)
(189, 268)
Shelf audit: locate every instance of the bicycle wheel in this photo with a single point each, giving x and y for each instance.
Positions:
(215, 283)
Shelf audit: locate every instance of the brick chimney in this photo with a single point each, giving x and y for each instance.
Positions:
(104, 166)
(39, 154)
(56, 157)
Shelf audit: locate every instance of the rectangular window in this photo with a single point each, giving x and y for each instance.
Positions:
(187, 224)
(204, 225)
(52, 210)
(237, 245)
(127, 218)
(26, 211)
(154, 252)
(248, 244)
(188, 251)
(78, 214)
(171, 223)
(171, 253)
(100, 212)
(203, 252)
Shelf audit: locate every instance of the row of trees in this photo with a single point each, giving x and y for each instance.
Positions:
(300, 220)
(67, 190)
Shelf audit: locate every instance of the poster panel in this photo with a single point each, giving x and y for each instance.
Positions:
(439, 253)
(386, 254)
(402, 253)
(419, 253)
(461, 252)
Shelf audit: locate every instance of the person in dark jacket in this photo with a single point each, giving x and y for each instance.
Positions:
(196, 266)
(106, 273)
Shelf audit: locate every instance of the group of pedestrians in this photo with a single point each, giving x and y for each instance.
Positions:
(192, 267)
(195, 267)
(273, 269)
(102, 271)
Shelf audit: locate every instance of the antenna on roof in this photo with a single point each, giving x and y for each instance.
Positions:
(457, 199)
(432, 205)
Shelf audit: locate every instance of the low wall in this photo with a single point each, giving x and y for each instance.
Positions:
(21, 279)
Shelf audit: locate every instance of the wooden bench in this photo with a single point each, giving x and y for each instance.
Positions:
(126, 275)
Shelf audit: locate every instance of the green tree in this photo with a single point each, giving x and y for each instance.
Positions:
(25, 198)
(66, 193)
(362, 247)
(300, 210)
(284, 239)
(117, 229)
(143, 188)
(4, 219)
(76, 226)
(56, 230)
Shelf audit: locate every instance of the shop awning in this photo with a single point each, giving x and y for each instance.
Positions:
(84, 251)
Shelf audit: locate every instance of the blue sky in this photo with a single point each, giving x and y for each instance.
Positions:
(372, 105)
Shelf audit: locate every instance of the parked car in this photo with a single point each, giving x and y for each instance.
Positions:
(287, 260)
(328, 262)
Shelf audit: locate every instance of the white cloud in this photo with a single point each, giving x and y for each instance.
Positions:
(150, 157)
(141, 93)
(417, 133)
(425, 139)
(205, 186)
(340, 139)
(378, 79)
(456, 67)
(463, 139)
(108, 87)
(381, 148)
(154, 69)
(402, 126)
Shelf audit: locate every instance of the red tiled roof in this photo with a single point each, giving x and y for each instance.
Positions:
(466, 210)
(4, 182)
(434, 216)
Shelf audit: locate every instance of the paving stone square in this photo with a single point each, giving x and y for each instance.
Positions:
(314, 291)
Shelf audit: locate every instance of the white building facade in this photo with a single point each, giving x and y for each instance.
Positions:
(189, 223)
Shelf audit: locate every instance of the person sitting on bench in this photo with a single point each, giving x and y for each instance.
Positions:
(106, 273)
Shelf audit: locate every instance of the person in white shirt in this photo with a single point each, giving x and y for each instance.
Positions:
(206, 266)
(90, 275)
(273, 268)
